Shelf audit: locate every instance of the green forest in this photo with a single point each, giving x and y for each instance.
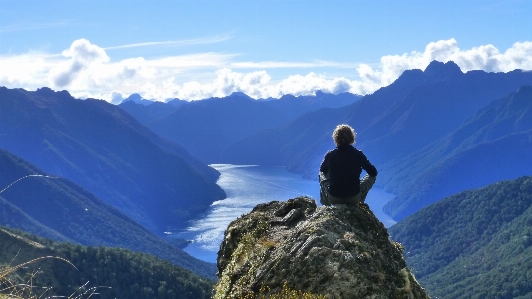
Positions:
(475, 244)
(110, 272)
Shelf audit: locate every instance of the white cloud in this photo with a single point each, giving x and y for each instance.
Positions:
(26, 70)
(82, 55)
(86, 70)
(488, 58)
(188, 42)
(117, 97)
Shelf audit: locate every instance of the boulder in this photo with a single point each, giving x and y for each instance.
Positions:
(337, 251)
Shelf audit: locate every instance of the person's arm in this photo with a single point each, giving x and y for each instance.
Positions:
(368, 167)
(324, 167)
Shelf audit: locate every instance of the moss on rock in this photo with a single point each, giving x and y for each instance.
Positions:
(335, 252)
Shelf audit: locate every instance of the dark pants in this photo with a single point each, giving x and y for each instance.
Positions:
(326, 199)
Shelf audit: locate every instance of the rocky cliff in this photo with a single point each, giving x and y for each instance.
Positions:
(337, 251)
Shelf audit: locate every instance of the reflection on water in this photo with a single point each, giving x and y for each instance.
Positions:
(246, 186)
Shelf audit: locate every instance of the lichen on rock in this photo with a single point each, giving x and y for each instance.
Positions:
(336, 251)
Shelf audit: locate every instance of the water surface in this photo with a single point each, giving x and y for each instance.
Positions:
(249, 185)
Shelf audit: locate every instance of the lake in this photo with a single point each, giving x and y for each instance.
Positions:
(249, 185)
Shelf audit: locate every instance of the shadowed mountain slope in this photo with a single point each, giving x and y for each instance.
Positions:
(475, 244)
(274, 147)
(494, 144)
(207, 127)
(146, 114)
(300, 144)
(100, 147)
(58, 209)
(415, 110)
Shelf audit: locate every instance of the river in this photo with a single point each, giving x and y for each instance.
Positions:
(246, 186)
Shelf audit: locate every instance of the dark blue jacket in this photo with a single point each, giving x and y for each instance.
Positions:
(343, 165)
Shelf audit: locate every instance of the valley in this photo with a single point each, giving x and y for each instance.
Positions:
(453, 148)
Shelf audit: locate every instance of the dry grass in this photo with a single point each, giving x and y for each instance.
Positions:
(285, 293)
(267, 243)
(14, 286)
(11, 286)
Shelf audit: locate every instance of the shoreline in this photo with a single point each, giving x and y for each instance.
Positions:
(245, 187)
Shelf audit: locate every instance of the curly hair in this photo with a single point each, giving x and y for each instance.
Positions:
(344, 134)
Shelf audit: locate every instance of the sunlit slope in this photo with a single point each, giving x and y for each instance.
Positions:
(475, 244)
(114, 272)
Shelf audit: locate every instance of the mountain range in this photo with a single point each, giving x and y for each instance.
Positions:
(207, 127)
(432, 133)
(121, 175)
(106, 179)
(416, 110)
(106, 151)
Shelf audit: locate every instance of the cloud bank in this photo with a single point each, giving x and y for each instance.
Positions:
(85, 70)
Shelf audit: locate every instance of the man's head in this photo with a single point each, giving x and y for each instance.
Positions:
(344, 134)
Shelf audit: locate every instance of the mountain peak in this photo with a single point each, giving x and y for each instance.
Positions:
(239, 94)
(137, 98)
(442, 70)
(48, 92)
(341, 251)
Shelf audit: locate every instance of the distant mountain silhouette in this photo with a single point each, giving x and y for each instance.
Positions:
(494, 144)
(100, 147)
(59, 209)
(146, 114)
(275, 147)
(137, 98)
(306, 147)
(146, 111)
(294, 106)
(205, 128)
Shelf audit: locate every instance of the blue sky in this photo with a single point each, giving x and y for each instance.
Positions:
(197, 49)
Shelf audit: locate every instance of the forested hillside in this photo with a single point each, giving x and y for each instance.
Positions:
(113, 272)
(475, 244)
(59, 209)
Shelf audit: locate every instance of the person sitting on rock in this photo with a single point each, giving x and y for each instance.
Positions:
(341, 168)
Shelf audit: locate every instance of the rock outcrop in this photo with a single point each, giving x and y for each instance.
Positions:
(336, 251)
